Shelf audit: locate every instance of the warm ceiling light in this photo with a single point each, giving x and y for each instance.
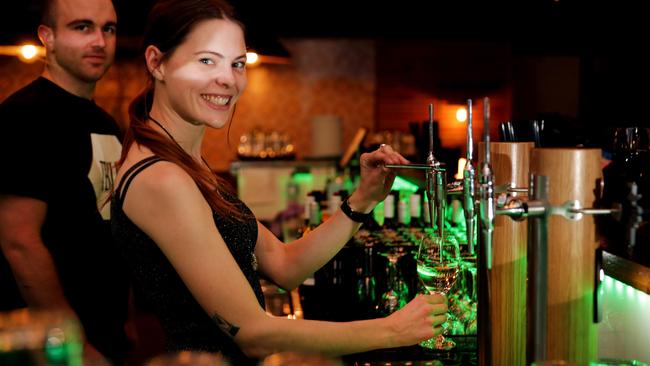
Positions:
(461, 114)
(252, 58)
(269, 49)
(28, 51)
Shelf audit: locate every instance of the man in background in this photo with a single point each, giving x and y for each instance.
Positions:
(58, 156)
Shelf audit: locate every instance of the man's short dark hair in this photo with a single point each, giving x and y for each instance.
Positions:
(48, 12)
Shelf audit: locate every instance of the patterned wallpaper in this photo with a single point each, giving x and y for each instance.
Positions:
(325, 77)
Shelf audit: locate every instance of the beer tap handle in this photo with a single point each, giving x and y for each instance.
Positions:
(431, 176)
(431, 160)
(470, 138)
(487, 188)
(440, 175)
(469, 184)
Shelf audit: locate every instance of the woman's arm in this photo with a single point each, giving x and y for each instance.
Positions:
(419, 320)
(166, 204)
(289, 264)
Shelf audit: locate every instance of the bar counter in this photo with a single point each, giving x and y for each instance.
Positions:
(464, 354)
(280, 303)
(634, 272)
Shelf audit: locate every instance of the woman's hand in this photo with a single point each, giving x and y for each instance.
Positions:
(376, 179)
(419, 320)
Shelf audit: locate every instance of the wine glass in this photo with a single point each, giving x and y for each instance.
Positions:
(438, 267)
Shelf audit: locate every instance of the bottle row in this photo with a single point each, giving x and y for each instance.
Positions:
(400, 209)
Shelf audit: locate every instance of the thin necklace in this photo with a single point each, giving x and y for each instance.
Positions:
(176, 142)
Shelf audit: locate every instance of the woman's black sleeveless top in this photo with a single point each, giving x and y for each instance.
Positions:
(186, 324)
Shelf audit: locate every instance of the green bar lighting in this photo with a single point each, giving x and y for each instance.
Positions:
(401, 184)
(303, 177)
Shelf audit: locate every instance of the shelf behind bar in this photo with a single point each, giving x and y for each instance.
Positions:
(627, 271)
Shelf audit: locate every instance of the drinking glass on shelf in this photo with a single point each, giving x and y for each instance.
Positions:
(396, 295)
(29, 337)
(438, 267)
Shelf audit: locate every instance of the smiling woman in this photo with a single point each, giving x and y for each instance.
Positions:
(208, 70)
(196, 61)
(195, 53)
(194, 247)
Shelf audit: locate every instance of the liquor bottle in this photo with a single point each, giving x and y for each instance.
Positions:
(312, 213)
(403, 214)
(333, 203)
(376, 219)
(332, 186)
(315, 213)
(311, 296)
(309, 200)
(390, 219)
(336, 200)
(416, 209)
(366, 286)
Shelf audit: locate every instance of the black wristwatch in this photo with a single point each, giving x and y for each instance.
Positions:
(354, 216)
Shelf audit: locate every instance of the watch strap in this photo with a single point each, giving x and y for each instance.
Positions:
(354, 216)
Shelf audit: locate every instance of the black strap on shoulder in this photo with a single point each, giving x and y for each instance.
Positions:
(134, 170)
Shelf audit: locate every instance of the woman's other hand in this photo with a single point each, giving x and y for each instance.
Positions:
(419, 320)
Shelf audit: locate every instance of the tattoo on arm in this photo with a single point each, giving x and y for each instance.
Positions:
(229, 329)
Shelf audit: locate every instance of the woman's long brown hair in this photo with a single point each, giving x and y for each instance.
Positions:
(168, 24)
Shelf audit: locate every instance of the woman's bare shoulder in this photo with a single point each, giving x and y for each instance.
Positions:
(163, 180)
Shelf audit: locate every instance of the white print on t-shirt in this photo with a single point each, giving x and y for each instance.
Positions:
(106, 153)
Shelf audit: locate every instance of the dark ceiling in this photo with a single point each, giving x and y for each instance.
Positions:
(609, 37)
(548, 24)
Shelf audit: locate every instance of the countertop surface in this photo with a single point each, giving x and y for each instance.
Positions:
(464, 354)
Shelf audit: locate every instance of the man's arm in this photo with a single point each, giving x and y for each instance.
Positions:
(21, 219)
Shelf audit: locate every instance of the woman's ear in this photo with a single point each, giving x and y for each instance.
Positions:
(153, 57)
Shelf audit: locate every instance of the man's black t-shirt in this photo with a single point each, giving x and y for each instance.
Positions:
(61, 149)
